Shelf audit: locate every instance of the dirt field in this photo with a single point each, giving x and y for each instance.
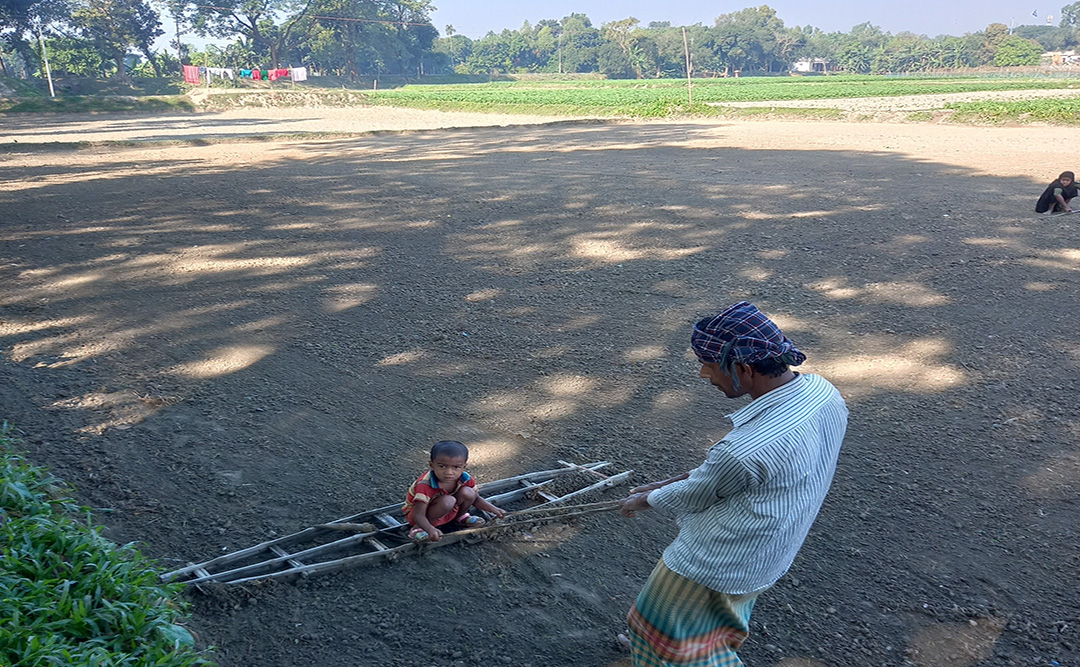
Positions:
(238, 124)
(218, 344)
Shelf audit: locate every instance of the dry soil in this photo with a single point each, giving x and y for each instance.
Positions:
(218, 344)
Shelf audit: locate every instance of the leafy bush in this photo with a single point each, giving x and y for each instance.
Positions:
(68, 596)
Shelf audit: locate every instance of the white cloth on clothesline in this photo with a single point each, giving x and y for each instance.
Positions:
(222, 72)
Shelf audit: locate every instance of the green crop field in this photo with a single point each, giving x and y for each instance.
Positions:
(669, 97)
(1056, 111)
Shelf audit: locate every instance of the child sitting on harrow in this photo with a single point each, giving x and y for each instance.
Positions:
(444, 494)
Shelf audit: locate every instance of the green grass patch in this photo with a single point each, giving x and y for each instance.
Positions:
(19, 87)
(136, 86)
(1064, 111)
(920, 116)
(68, 596)
(95, 104)
(301, 97)
(787, 113)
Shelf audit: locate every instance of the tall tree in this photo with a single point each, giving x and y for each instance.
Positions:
(20, 19)
(256, 21)
(749, 37)
(117, 26)
(580, 41)
(1070, 16)
(1014, 51)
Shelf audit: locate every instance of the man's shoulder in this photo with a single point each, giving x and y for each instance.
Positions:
(819, 385)
(813, 396)
(809, 394)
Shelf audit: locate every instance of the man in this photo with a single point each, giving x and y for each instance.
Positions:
(745, 511)
(1055, 198)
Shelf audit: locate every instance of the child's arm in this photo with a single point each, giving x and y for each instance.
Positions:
(419, 515)
(480, 503)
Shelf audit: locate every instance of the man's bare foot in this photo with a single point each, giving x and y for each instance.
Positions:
(623, 640)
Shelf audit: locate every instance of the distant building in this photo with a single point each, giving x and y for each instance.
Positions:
(1060, 58)
(808, 65)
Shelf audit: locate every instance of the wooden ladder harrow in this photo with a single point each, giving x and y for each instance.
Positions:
(382, 534)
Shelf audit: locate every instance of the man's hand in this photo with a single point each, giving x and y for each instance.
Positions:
(633, 503)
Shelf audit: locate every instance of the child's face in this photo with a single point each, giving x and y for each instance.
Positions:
(1066, 181)
(448, 468)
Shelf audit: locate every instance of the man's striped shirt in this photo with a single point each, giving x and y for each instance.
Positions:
(745, 511)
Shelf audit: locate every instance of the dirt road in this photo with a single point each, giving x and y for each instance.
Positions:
(224, 343)
(239, 124)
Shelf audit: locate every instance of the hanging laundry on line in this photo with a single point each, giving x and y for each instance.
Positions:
(220, 72)
(193, 74)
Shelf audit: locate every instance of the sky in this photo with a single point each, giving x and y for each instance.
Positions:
(475, 18)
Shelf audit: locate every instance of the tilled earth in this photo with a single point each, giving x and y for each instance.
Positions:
(220, 344)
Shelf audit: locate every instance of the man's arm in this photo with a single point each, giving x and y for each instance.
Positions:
(721, 475)
(656, 485)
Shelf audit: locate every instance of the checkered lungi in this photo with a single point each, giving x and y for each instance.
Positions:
(676, 621)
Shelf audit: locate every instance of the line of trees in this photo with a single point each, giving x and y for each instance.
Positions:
(753, 40)
(98, 38)
(357, 38)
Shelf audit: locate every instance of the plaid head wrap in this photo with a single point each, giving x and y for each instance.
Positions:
(742, 334)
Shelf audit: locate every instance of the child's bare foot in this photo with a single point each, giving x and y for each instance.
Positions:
(624, 641)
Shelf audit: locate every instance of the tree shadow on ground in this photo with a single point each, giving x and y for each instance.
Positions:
(224, 348)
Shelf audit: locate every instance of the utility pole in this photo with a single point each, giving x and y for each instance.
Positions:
(689, 87)
(45, 57)
(179, 47)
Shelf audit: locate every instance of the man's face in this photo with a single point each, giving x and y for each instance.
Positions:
(719, 378)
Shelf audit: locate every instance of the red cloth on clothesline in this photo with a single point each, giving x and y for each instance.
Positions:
(191, 74)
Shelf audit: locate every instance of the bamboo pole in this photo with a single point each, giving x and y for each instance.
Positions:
(45, 57)
(689, 86)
